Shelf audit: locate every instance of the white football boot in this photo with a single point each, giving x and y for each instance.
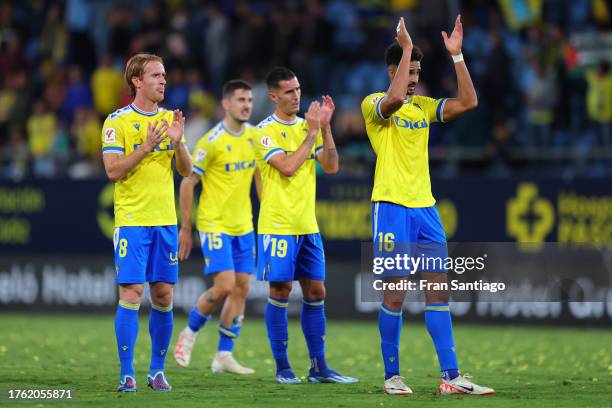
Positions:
(396, 386)
(463, 385)
(184, 345)
(224, 362)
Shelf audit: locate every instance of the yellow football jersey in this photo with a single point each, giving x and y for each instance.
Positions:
(287, 203)
(145, 197)
(401, 146)
(226, 162)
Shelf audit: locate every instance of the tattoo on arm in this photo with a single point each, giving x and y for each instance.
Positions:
(310, 141)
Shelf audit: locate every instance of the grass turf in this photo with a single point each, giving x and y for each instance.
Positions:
(527, 366)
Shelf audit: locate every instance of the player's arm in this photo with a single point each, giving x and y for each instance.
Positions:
(186, 204)
(258, 183)
(288, 165)
(466, 94)
(117, 166)
(397, 90)
(328, 157)
(175, 131)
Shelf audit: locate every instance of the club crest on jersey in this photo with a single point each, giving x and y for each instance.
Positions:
(284, 134)
(229, 148)
(200, 155)
(110, 135)
(137, 126)
(266, 141)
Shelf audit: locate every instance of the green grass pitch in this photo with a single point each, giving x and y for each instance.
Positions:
(527, 366)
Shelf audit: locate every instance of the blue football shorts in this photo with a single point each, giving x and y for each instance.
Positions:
(146, 254)
(415, 232)
(223, 252)
(285, 258)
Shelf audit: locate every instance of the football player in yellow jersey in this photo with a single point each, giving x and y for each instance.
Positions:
(403, 213)
(139, 142)
(224, 161)
(289, 245)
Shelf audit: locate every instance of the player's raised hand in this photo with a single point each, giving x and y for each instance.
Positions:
(176, 129)
(327, 111)
(185, 243)
(155, 135)
(313, 115)
(455, 41)
(402, 37)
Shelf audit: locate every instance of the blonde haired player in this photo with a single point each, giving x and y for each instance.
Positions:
(139, 142)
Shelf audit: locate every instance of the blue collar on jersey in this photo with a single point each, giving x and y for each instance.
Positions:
(141, 112)
(284, 122)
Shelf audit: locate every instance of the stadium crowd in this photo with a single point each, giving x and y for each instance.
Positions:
(541, 68)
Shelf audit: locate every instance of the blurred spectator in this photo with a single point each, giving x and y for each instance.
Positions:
(533, 64)
(78, 94)
(315, 40)
(262, 105)
(106, 84)
(540, 98)
(348, 35)
(14, 156)
(150, 34)
(12, 59)
(202, 107)
(18, 84)
(78, 21)
(120, 32)
(7, 101)
(41, 128)
(53, 42)
(85, 133)
(216, 42)
(55, 88)
(599, 101)
(177, 90)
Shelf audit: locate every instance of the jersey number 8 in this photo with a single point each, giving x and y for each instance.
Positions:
(122, 247)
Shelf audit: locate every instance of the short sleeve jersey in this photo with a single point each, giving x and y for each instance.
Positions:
(145, 197)
(226, 163)
(288, 203)
(401, 146)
